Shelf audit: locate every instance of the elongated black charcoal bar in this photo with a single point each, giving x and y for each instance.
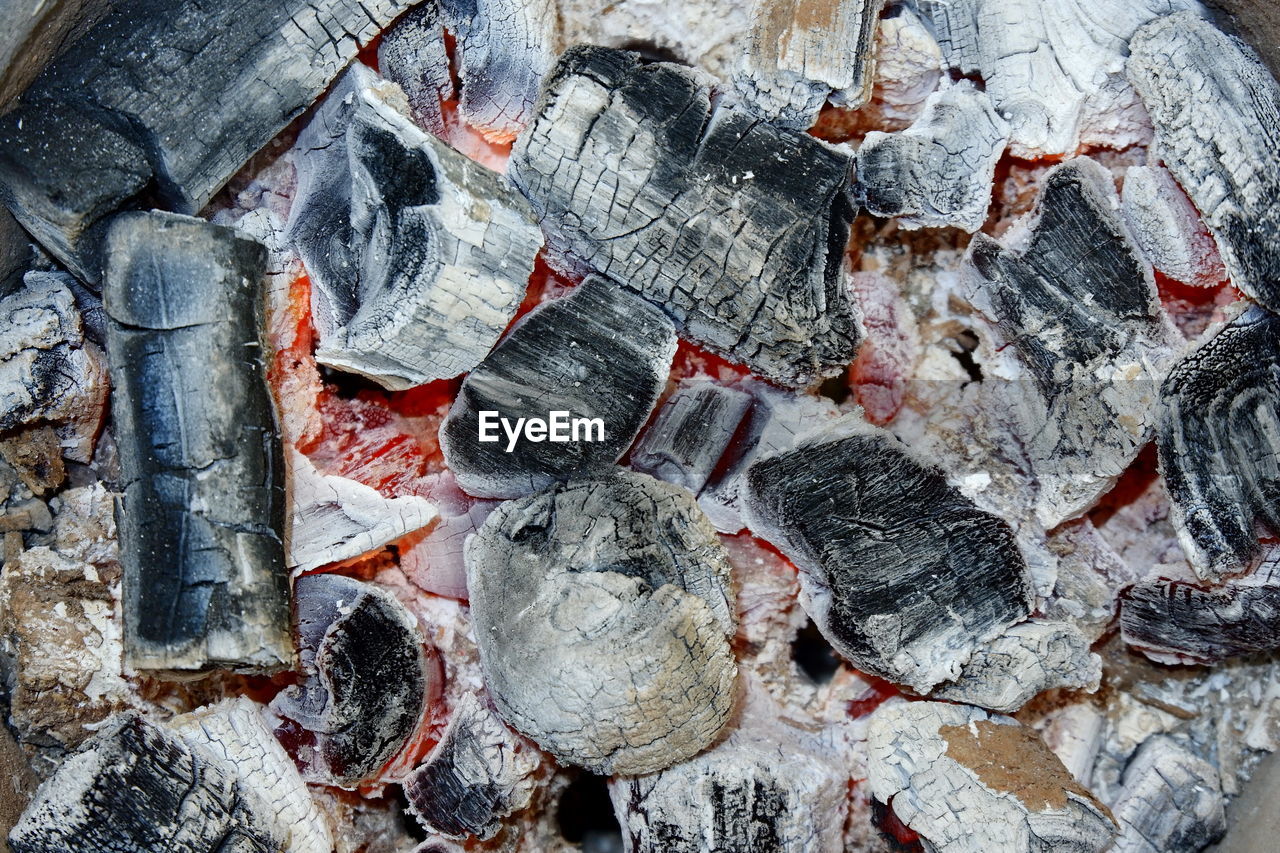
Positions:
(167, 97)
(203, 506)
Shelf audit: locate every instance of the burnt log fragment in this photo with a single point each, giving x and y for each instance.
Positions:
(690, 434)
(735, 227)
(899, 571)
(602, 613)
(167, 98)
(1219, 444)
(1172, 799)
(1216, 112)
(202, 513)
(368, 679)
(599, 357)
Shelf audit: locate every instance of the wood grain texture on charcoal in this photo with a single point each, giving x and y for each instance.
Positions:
(691, 432)
(1216, 111)
(202, 514)
(1219, 443)
(171, 98)
(901, 572)
(736, 228)
(1171, 800)
(602, 611)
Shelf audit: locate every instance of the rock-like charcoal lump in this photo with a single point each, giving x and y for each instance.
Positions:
(1167, 227)
(419, 256)
(735, 227)
(599, 356)
(690, 433)
(901, 572)
(602, 612)
(203, 506)
(368, 679)
(1171, 800)
(1219, 442)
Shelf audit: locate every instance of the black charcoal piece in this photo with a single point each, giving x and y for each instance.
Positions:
(170, 97)
(1219, 443)
(367, 679)
(602, 612)
(1216, 112)
(419, 256)
(735, 227)
(477, 774)
(690, 433)
(598, 356)
(202, 514)
(138, 788)
(901, 573)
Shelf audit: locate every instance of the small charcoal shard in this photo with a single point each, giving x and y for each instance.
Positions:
(233, 736)
(939, 171)
(598, 356)
(1178, 622)
(735, 227)
(1078, 304)
(800, 53)
(168, 98)
(690, 434)
(1171, 800)
(970, 782)
(418, 255)
(1219, 443)
(602, 613)
(413, 54)
(1216, 111)
(1021, 663)
(899, 571)
(368, 679)
(202, 514)
(138, 788)
(774, 785)
(477, 774)
(1167, 227)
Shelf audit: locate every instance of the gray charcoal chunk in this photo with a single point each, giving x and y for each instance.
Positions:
(602, 612)
(1219, 443)
(735, 227)
(413, 55)
(1216, 112)
(899, 571)
(1171, 800)
(690, 434)
(419, 256)
(138, 788)
(367, 679)
(202, 513)
(171, 97)
(598, 353)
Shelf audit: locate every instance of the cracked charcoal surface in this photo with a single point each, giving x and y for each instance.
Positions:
(1216, 111)
(735, 227)
(1219, 445)
(1079, 305)
(137, 788)
(690, 434)
(171, 98)
(602, 613)
(479, 773)
(203, 505)
(939, 171)
(1167, 227)
(413, 55)
(1172, 800)
(368, 678)
(420, 257)
(598, 352)
(901, 573)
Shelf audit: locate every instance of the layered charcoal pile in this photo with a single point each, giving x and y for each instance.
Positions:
(539, 425)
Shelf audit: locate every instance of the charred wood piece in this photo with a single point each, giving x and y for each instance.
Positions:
(368, 679)
(420, 257)
(414, 55)
(735, 227)
(112, 119)
(1172, 800)
(202, 514)
(598, 356)
(899, 571)
(622, 588)
(690, 434)
(1167, 227)
(1216, 112)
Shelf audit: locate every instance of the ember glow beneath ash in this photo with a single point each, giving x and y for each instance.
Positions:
(794, 427)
